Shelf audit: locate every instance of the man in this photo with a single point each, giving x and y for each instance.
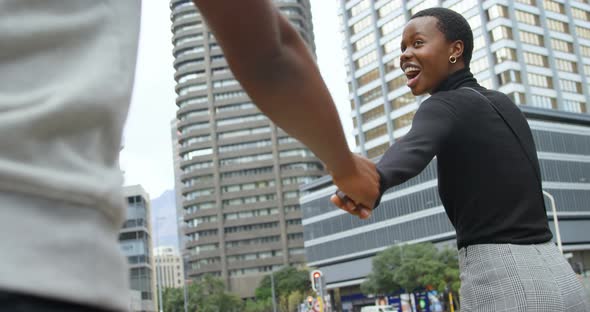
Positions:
(67, 72)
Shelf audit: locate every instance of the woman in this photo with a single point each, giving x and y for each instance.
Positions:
(488, 174)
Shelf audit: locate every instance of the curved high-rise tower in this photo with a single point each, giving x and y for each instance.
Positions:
(238, 173)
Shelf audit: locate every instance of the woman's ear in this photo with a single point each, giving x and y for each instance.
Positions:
(457, 48)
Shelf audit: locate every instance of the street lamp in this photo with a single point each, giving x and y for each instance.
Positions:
(272, 285)
(554, 211)
(159, 267)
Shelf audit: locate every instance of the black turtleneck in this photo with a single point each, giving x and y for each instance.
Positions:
(488, 186)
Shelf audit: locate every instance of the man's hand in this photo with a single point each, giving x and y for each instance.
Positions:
(360, 185)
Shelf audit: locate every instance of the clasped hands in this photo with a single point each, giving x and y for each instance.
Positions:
(358, 188)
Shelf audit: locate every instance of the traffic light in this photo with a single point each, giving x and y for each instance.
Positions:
(316, 280)
(309, 301)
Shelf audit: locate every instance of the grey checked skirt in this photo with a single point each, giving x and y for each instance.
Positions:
(506, 277)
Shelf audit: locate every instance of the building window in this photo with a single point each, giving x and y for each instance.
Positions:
(392, 45)
(566, 66)
(479, 65)
(377, 151)
(373, 114)
(402, 101)
(244, 132)
(532, 38)
(358, 8)
(496, 11)
(192, 88)
(391, 65)
(540, 81)
(245, 159)
(463, 6)
(247, 172)
(197, 153)
(197, 166)
(509, 76)
(193, 101)
(501, 32)
(397, 83)
(561, 45)
(375, 133)
(299, 152)
(585, 50)
(244, 146)
(574, 106)
(529, 2)
(240, 120)
(517, 97)
(536, 59)
(366, 59)
(527, 18)
(194, 113)
(474, 22)
(234, 107)
(553, 6)
(404, 120)
(361, 25)
(557, 26)
(228, 95)
(393, 25)
(580, 14)
(363, 42)
(583, 32)
(368, 77)
(247, 186)
(423, 5)
(505, 54)
(371, 95)
(191, 76)
(389, 7)
(198, 180)
(543, 102)
(570, 86)
(478, 43)
(199, 193)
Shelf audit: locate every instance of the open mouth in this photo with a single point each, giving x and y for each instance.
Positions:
(412, 73)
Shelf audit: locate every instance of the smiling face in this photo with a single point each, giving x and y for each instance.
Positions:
(425, 55)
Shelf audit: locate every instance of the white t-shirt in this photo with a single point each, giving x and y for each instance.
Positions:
(66, 76)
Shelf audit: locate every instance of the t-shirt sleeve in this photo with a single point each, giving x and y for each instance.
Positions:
(406, 158)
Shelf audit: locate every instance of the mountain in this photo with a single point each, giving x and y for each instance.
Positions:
(164, 210)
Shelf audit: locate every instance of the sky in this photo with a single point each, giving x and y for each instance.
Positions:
(146, 158)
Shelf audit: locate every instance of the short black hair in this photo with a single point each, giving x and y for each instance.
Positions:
(454, 26)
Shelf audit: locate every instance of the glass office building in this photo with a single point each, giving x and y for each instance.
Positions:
(135, 239)
(537, 52)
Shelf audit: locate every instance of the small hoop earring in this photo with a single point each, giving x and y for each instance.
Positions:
(453, 59)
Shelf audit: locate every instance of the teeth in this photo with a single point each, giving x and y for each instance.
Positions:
(411, 69)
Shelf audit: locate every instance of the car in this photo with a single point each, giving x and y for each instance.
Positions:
(378, 309)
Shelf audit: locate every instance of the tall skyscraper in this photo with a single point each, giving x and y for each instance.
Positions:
(135, 239)
(239, 172)
(537, 52)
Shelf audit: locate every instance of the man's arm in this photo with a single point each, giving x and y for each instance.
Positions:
(277, 70)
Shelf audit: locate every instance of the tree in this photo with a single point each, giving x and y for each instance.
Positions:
(258, 306)
(206, 295)
(293, 301)
(412, 267)
(288, 282)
